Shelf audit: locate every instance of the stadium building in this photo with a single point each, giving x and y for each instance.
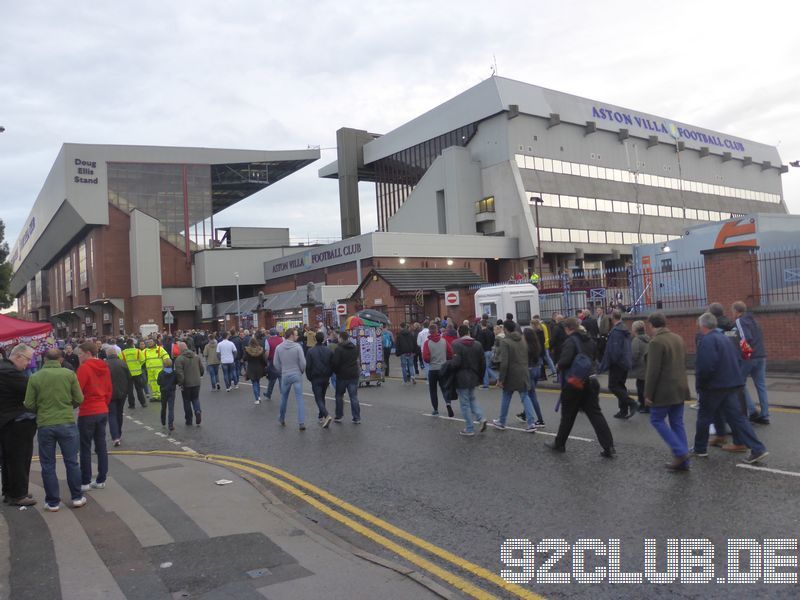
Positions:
(120, 234)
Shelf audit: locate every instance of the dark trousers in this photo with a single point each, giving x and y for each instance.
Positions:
(351, 385)
(191, 402)
(417, 360)
(137, 386)
(319, 388)
(727, 402)
(115, 417)
(617, 376)
(92, 429)
(16, 447)
(387, 352)
(433, 381)
(587, 400)
(167, 406)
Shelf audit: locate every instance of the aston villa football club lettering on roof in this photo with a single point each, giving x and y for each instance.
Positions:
(675, 131)
(318, 258)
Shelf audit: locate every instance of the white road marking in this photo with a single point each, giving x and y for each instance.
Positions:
(767, 470)
(159, 434)
(173, 440)
(148, 428)
(187, 449)
(138, 422)
(310, 395)
(511, 427)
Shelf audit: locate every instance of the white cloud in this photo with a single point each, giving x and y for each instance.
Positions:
(275, 75)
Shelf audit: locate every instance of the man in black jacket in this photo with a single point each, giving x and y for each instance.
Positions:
(344, 364)
(470, 365)
(17, 427)
(318, 372)
(405, 347)
(120, 384)
(574, 400)
(485, 337)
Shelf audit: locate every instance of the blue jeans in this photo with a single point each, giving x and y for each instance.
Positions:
(549, 360)
(534, 374)
(228, 372)
(271, 386)
(237, 371)
(489, 372)
(757, 369)
(92, 428)
(69, 442)
(407, 366)
(289, 382)
(728, 402)
(673, 434)
(506, 401)
(351, 385)
(256, 387)
(469, 408)
(213, 373)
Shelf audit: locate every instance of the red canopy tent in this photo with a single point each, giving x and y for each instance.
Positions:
(14, 331)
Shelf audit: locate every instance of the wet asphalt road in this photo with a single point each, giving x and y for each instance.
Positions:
(468, 495)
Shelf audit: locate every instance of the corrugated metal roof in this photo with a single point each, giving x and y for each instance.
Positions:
(428, 280)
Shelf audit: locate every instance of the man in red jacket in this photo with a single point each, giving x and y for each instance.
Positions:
(94, 378)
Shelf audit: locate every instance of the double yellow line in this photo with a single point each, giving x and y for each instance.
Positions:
(337, 508)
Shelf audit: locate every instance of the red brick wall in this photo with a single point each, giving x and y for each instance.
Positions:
(144, 308)
(731, 275)
(174, 270)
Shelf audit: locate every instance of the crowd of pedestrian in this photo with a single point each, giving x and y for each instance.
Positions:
(39, 395)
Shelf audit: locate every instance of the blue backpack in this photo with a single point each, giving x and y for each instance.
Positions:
(577, 376)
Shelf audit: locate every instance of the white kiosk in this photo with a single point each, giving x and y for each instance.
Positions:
(519, 299)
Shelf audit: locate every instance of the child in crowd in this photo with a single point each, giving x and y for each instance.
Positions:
(167, 380)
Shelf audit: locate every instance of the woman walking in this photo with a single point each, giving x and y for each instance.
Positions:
(254, 358)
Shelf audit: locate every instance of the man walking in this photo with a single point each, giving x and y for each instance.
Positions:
(405, 347)
(345, 366)
(470, 364)
(189, 371)
(133, 359)
(435, 352)
(719, 381)
(666, 389)
(17, 427)
(154, 356)
(94, 378)
(756, 365)
(290, 361)
(387, 343)
(120, 387)
(318, 372)
(271, 343)
(227, 358)
(579, 391)
(514, 375)
(485, 337)
(617, 360)
(53, 394)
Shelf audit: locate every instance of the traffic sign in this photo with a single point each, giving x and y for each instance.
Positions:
(452, 298)
(341, 309)
(169, 318)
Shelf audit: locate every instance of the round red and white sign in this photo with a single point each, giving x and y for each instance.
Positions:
(451, 298)
(341, 309)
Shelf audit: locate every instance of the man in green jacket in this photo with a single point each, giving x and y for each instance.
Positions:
(53, 394)
(666, 388)
(514, 375)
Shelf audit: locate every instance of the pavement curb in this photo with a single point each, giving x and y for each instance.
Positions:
(315, 530)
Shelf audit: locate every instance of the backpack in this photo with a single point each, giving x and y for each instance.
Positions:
(577, 376)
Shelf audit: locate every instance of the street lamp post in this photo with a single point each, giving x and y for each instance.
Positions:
(238, 305)
(537, 201)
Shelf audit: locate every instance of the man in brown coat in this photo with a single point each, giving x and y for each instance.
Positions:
(666, 388)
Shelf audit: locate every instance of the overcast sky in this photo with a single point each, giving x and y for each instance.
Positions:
(285, 75)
